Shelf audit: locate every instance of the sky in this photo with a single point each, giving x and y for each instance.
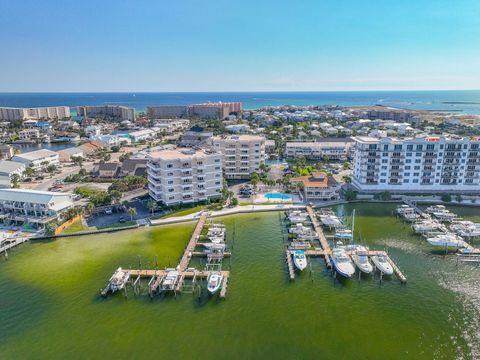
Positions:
(244, 45)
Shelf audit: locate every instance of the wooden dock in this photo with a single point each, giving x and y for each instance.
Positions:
(321, 236)
(291, 270)
(184, 261)
(11, 243)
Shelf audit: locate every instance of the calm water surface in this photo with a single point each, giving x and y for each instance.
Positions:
(50, 308)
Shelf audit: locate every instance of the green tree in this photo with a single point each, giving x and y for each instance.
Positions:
(350, 195)
(15, 180)
(132, 212)
(446, 197)
(29, 171)
(78, 160)
(234, 201)
(254, 179)
(347, 179)
(152, 205)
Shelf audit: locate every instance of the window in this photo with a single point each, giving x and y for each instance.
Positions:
(169, 166)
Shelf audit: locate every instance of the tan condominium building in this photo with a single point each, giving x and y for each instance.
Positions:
(184, 175)
(117, 112)
(54, 112)
(242, 154)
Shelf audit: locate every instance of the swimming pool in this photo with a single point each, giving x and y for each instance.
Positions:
(276, 196)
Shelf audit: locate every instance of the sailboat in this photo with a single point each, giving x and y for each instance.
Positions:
(214, 281)
(299, 259)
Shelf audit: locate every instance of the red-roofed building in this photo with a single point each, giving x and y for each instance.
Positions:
(318, 187)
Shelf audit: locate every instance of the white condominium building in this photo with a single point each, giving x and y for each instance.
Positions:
(184, 175)
(114, 111)
(38, 159)
(242, 154)
(335, 149)
(54, 112)
(424, 164)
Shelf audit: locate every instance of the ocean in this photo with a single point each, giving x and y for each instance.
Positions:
(462, 102)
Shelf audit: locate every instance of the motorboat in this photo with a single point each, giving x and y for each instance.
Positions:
(118, 280)
(382, 264)
(343, 233)
(170, 280)
(446, 241)
(299, 259)
(215, 247)
(441, 213)
(426, 226)
(303, 232)
(400, 210)
(360, 259)
(297, 216)
(331, 221)
(299, 229)
(435, 208)
(342, 262)
(466, 228)
(214, 281)
(217, 239)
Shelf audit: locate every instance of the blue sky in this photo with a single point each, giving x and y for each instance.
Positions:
(247, 45)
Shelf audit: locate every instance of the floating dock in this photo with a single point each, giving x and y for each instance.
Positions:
(291, 270)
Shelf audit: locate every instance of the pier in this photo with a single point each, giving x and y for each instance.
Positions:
(321, 236)
(10, 243)
(291, 270)
(182, 271)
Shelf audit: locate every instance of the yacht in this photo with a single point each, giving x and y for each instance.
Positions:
(402, 209)
(299, 259)
(466, 228)
(342, 263)
(297, 216)
(426, 226)
(382, 264)
(360, 259)
(446, 241)
(214, 281)
(118, 280)
(303, 232)
(170, 280)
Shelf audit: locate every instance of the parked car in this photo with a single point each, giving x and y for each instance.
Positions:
(122, 219)
(109, 211)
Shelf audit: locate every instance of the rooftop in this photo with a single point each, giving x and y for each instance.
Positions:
(36, 155)
(317, 180)
(180, 153)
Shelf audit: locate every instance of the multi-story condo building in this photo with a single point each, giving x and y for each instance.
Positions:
(38, 159)
(165, 111)
(335, 149)
(114, 111)
(54, 112)
(29, 135)
(426, 164)
(22, 206)
(242, 154)
(184, 175)
(217, 110)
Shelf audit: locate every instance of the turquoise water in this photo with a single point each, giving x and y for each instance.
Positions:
(50, 306)
(463, 101)
(276, 196)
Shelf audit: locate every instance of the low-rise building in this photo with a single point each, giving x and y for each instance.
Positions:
(318, 187)
(184, 175)
(242, 154)
(333, 148)
(31, 207)
(8, 168)
(38, 159)
(6, 151)
(67, 155)
(106, 169)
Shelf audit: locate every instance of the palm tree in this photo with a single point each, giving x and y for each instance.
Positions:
(132, 212)
(15, 179)
(152, 204)
(89, 207)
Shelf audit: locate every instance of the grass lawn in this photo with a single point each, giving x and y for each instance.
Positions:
(117, 225)
(77, 226)
(184, 212)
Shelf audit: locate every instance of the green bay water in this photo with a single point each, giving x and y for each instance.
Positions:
(50, 306)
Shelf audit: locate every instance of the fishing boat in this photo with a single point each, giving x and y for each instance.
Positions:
(299, 259)
(447, 240)
(382, 264)
(360, 259)
(214, 281)
(297, 216)
(118, 280)
(342, 263)
(332, 221)
(170, 281)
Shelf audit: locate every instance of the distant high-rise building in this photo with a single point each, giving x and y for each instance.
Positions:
(53, 112)
(114, 111)
(218, 110)
(167, 111)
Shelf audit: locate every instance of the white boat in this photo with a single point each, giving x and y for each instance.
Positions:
(402, 209)
(217, 239)
(215, 247)
(426, 226)
(214, 282)
(299, 259)
(297, 216)
(360, 259)
(344, 234)
(303, 232)
(466, 228)
(342, 263)
(382, 264)
(118, 280)
(170, 280)
(446, 241)
(330, 220)
(435, 208)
